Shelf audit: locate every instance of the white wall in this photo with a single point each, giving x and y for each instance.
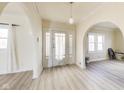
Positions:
(108, 12)
(2, 5)
(118, 41)
(36, 27)
(47, 24)
(14, 14)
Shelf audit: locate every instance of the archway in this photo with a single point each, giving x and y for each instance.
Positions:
(34, 28)
(103, 28)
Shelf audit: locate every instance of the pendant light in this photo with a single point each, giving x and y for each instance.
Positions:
(71, 20)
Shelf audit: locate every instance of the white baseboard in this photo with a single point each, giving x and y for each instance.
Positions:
(18, 71)
(61, 65)
(100, 59)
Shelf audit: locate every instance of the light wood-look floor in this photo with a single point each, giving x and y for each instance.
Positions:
(98, 75)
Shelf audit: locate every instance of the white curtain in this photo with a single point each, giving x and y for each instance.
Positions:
(50, 59)
(12, 52)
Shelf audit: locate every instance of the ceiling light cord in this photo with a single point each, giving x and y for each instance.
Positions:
(71, 9)
(71, 20)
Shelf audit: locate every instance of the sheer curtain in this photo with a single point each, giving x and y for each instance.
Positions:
(11, 49)
(50, 52)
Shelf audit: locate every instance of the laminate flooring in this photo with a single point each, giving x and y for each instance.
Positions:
(101, 75)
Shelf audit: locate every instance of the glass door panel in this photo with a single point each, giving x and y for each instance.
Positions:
(58, 48)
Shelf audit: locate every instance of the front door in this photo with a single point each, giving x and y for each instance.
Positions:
(58, 48)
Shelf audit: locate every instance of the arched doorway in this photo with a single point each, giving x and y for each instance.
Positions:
(16, 13)
(98, 38)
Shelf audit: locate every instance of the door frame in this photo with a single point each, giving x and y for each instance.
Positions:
(67, 32)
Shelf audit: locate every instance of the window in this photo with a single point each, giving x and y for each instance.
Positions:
(100, 43)
(59, 46)
(95, 42)
(91, 42)
(70, 45)
(3, 38)
(47, 44)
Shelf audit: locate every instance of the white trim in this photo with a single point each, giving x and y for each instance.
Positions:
(80, 66)
(18, 71)
(36, 76)
(100, 59)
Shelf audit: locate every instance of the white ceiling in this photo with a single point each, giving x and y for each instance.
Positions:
(61, 11)
(13, 9)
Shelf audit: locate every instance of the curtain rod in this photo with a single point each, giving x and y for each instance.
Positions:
(8, 24)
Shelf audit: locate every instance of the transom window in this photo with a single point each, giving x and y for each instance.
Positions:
(95, 42)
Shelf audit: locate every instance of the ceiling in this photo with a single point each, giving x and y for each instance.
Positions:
(61, 11)
(13, 9)
(2, 6)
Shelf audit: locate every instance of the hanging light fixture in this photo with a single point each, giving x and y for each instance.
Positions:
(71, 20)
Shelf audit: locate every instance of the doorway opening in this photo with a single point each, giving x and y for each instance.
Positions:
(58, 48)
(101, 37)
